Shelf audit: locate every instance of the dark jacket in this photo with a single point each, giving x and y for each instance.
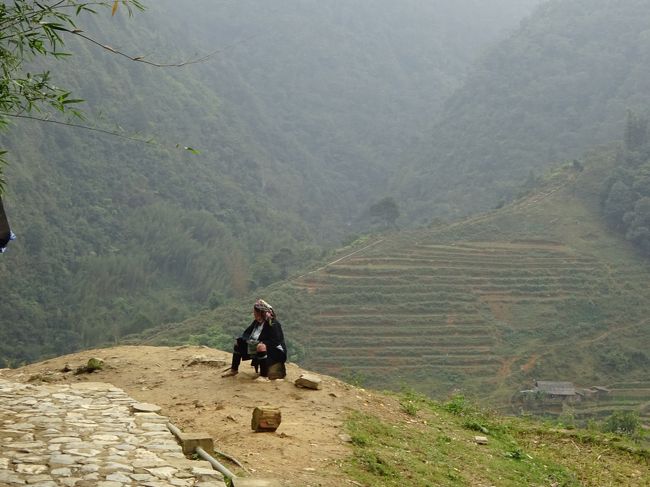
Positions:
(271, 336)
(5, 232)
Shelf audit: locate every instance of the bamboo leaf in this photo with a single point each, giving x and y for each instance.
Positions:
(115, 5)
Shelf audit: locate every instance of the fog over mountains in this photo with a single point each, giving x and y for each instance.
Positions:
(301, 116)
(560, 84)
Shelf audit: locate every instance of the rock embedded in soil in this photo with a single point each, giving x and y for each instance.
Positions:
(309, 381)
(204, 360)
(143, 407)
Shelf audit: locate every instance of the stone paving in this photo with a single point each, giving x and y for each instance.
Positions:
(89, 434)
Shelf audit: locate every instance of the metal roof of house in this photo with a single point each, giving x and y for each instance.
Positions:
(556, 388)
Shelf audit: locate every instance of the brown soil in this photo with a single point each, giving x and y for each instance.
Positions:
(506, 368)
(312, 288)
(306, 450)
(500, 310)
(530, 364)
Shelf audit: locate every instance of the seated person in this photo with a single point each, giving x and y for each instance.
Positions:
(262, 343)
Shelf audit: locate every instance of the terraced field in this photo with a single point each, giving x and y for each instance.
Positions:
(623, 396)
(423, 309)
(540, 289)
(633, 396)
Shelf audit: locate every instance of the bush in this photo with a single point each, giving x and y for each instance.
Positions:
(376, 465)
(456, 405)
(409, 407)
(623, 423)
(475, 425)
(412, 401)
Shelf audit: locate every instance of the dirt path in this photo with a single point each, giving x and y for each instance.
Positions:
(530, 364)
(506, 368)
(613, 329)
(305, 451)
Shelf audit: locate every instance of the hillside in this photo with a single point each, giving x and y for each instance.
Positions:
(539, 289)
(559, 85)
(292, 108)
(345, 435)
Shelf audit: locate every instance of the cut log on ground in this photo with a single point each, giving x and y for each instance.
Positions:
(266, 419)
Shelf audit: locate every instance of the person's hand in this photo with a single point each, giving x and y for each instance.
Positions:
(261, 347)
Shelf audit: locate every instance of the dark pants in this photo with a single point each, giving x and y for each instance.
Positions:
(269, 364)
(259, 361)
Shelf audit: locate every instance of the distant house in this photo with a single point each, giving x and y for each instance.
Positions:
(556, 392)
(564, 391)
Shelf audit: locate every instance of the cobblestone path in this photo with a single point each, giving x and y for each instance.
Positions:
(89, 435)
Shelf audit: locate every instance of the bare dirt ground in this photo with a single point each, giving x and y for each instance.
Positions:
(306, 450)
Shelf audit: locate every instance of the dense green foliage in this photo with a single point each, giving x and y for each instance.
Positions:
(623, 422)
(626, 194)
(297, 111)
(385, 212)
(32, 30)
(558, 86)
(343, 91)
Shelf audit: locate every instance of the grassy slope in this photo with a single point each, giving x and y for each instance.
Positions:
(539, 289)
(436, 446)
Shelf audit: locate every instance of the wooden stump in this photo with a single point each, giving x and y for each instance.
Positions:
(266, 419)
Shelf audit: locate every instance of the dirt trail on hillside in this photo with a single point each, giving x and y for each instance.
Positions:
(306, 450)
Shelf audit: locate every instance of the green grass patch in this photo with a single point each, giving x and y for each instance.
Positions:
(432, 444)
(389, 455)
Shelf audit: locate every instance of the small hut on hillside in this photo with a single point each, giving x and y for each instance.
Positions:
(564, 391)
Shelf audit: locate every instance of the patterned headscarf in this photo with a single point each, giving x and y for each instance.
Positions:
(265, 308)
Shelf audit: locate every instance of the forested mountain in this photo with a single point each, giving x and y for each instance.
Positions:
(559, 85)
(298, 118)
(342, 91)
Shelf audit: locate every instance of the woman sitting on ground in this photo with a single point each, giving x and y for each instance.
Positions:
(262, 343)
